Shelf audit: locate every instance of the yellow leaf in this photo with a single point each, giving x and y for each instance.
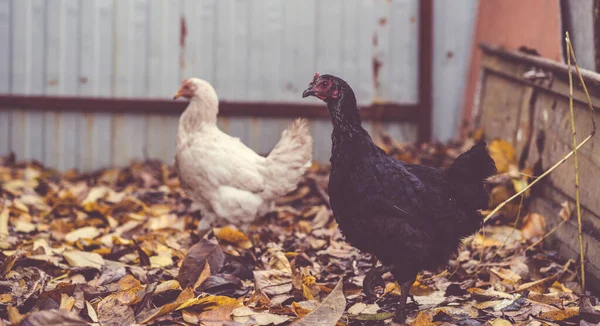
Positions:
(24, 226)
(161, 261)
(424, 319)
(209, 302)
(298, 310)
(420, 289)
(88, 232)
(539, 286)
(501, 322)
(78, 258)
(4, 223)
(5, 298)
(560, 288)
(14, 316)
(503, 154)
(233, 236)
(66, 302)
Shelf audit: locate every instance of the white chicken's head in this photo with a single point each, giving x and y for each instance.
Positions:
(195, 88)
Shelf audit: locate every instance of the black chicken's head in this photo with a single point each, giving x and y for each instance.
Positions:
(325, 87)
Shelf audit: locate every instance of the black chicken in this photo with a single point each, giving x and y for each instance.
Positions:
(412, 217)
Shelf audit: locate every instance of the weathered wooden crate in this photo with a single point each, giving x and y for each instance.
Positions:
(524, 99)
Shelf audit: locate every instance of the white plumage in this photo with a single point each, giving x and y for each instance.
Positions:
(225, 179)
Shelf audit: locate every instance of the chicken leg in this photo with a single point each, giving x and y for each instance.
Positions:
(373, 279)
(402, 309)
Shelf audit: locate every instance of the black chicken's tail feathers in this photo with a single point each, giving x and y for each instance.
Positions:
(467, 173)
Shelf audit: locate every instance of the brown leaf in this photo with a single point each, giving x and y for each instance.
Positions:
(539, 286)
(273, 282)
(534, 226)
(205, 256)
(112, 311)
(328, 312)
(54, 317)
(561, 314)
(184, 296)
(247, 316)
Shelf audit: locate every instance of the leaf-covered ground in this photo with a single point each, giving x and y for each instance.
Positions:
(120, 247)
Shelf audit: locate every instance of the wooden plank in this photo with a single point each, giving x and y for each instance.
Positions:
(499, 116)
(566, 240)
(512, 24)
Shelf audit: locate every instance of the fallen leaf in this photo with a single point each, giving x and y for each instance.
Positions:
(54, 317)
(184, 296)
(91, 312)
(503, 154)
(248, 316)
(233, 236)
(500, 322)
(78, 258)
(111, 311)
(208, 302)
(273, 282)
(204, 255)
(24, 226)
(506, 275)
(560, 314)
(534, 226)
(160, 261)
(214, 317)
(328, 312)
(88, 232)
(4, 223)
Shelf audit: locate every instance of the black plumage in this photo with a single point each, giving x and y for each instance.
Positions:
(411, 217)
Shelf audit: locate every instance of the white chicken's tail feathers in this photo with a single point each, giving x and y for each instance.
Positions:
(289, 159)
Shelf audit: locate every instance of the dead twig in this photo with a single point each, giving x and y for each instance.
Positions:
(570, 53)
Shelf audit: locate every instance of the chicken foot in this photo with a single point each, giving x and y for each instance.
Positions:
(402, 309)
(374, 279)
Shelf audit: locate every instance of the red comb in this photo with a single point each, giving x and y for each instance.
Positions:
(317, 75)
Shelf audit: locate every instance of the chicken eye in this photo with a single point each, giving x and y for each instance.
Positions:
(186, 87)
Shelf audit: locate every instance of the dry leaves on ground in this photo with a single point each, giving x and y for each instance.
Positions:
(119, 247)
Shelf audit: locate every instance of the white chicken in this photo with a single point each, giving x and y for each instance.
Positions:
(225, 179)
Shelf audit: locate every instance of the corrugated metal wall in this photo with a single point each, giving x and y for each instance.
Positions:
(260, 50)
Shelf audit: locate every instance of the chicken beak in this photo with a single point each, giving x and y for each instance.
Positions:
(177, 95)
(308, 92)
